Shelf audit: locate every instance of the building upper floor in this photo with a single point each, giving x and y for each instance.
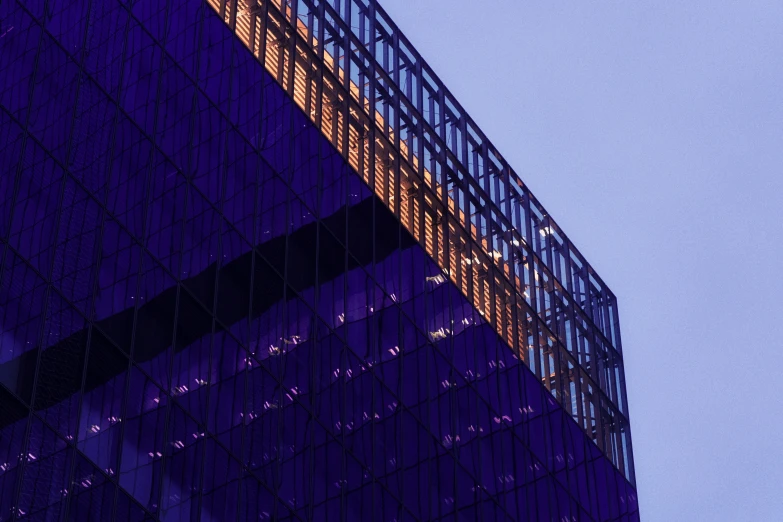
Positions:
(364, 85)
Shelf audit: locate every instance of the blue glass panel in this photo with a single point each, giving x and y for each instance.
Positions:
(213, 317)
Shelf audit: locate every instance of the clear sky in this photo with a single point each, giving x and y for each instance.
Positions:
(653, 134)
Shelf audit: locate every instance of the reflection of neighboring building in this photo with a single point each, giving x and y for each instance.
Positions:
(258, 264)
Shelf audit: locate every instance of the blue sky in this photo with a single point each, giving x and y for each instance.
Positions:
(653, 133)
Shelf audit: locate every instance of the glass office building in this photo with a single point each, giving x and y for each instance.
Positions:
(257, 263)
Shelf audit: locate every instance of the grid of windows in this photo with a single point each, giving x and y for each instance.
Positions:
(357, 77)
(206, 313)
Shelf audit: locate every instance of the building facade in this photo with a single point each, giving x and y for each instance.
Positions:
(259, 264)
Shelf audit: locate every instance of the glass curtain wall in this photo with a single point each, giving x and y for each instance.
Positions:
(207, 311)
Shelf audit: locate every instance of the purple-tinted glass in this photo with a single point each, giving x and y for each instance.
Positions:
(206, 314)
